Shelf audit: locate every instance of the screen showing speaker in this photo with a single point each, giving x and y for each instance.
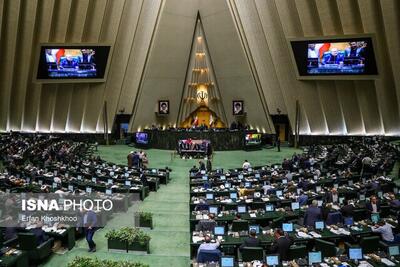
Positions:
(72, 62)
(338, 57)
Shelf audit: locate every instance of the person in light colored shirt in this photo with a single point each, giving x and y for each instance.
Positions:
(246, 165)
(385, 230)
(208, 245)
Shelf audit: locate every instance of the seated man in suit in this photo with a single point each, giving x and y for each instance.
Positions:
(348, 210)
(333, 196)
(208, 224)
(374, 205)
(202, 205)
(251, 241)
(41, 236)
(281, 244)
(313, 214)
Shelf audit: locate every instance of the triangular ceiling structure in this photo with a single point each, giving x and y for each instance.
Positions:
(165, 75)
(200, 88)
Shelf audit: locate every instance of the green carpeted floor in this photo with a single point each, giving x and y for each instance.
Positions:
(170, 207)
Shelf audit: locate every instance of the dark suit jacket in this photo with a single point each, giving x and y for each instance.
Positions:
(347, 211)
(250, 242)
(369, 206)
(41, 236)
(313, 214)
(329, 198)
(281, 246)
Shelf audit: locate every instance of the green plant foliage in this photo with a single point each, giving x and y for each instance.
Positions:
(94, 262)
(146, 216)
(129, 234)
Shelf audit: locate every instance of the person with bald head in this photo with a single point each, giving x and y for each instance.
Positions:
(334, 56)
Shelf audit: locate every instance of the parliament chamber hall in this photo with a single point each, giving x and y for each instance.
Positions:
(199, 133)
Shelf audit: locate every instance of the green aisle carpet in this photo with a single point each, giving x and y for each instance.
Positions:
(170, 207)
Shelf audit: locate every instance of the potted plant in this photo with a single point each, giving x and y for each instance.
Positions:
(128, 238)
(145, 219)
(94, 262)
(115, 240)
(138, 240)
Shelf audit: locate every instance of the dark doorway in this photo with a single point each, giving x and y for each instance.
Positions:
(121, 125)
(282, 126)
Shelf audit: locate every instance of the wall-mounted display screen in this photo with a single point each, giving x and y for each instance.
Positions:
(335, 57)
(72, 63)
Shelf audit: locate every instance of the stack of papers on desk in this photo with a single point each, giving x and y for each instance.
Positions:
(303, 235)
(387, 262)
(315, 235)
(364, 264)
(253, 215)
(340, 231)
(197, 239)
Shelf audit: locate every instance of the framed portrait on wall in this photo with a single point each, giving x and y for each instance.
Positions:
(163, 107)
(237, 107)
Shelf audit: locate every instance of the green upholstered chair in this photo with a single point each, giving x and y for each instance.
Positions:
(328, 249)
(369, 243)
(240, 225)
(252, 253)
(297, 251)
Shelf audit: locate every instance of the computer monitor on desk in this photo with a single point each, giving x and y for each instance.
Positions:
(241, 209)
(355, 254)
(219, 230)
(348, 221)
(256, 228)
(269, 207)
(287, 227)
(319, 225)
(272, 260)
(213, 210)
(314, 257)
(210, 196)
(233, 195)
(227, 261)
(295, 206)
(393, 250)
(375, 217)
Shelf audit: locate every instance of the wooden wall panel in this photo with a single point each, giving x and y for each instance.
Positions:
(109, 30)
(74, 32)
(42, 33)
(22, 68)
(391, 23)
(10, 23)
(49, 92)
(122, 48)
(385, 88)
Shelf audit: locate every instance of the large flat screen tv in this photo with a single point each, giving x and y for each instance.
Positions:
(72, 63)
(335, 58)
